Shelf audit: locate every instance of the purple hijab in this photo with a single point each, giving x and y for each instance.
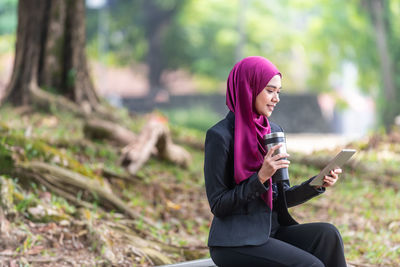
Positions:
(246, 80)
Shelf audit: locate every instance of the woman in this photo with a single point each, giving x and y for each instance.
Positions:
(251, 227)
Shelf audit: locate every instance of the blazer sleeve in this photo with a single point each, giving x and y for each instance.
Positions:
(224, 195)
(299, 194)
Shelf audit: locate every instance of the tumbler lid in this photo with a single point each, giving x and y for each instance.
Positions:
(274, 135)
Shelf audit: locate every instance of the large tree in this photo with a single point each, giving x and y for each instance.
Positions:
(383, 21)
(50, 55)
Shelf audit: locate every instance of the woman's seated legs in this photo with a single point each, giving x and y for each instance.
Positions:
(323, 240)
(273, 253)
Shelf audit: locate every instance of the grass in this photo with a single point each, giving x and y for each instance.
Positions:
(367, 215)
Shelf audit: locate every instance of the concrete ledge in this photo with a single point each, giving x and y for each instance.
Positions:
(195, 263)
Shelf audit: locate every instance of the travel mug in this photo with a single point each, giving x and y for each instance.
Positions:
(274, 139)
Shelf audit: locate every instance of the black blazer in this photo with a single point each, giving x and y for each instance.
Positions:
(241, 217)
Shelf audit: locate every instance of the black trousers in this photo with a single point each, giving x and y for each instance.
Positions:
(311, 244)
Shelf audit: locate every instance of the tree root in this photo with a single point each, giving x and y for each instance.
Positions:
(107, 233)
(59, 178)
(45, 100)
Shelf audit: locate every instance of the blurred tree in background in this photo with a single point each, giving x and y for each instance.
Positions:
(383, 15)
(147, 31)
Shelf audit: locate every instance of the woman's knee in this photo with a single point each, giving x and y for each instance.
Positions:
(330, 232)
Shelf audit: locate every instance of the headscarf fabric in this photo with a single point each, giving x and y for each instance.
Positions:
(246, 80)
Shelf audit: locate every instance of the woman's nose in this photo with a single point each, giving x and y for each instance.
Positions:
(275, 98)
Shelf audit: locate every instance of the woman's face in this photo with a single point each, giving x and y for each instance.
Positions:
(267, 99)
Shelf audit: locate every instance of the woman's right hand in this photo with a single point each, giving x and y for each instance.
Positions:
(272, 163)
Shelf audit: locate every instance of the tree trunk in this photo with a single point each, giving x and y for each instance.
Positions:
(50, 53)
(76, 74)
(27, 51)
(376, 10)
(157, 20)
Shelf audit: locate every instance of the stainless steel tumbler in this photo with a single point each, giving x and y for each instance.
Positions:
(274, 139)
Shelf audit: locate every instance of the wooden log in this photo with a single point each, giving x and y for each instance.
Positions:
(154, 138)
(101, 129)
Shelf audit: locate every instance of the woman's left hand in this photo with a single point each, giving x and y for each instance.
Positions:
(330, 180)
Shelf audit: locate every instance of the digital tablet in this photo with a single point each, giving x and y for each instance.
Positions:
(337, 162)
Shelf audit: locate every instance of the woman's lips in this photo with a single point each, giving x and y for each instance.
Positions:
(271, 107)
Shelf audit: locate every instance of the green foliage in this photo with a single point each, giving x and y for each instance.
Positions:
(6, 161)
(8, 16)
(29, 200)
(197, 117)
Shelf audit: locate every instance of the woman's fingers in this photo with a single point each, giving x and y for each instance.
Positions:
(283, 163)
(278, 164)
(338, 170)
(331, 179)
(280, 156)
(273, 162)
(272, 150)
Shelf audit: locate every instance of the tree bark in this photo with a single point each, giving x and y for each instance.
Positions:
(27, 51)
(50, 53)
(51, 67)
(76, 74)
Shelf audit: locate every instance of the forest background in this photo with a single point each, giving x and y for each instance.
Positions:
(157, 49)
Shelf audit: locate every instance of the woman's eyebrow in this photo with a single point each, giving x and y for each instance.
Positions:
(273, 86)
